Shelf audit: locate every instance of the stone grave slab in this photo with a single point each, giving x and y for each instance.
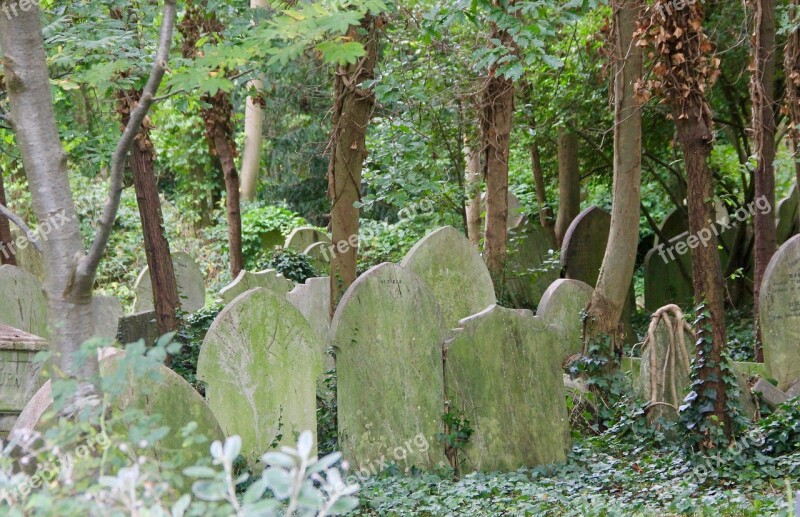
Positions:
(107, 312)
(527, 275)
(191, 285)
(320, 255)
(787, 224)
(23, 304)
(268, 279)
(561, 308)
(19, 373)
(301, 238)
(138, 326)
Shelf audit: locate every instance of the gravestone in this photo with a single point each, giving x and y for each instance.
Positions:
(19, 373)
(561, 308)
(191, 285)
(657, 353)
(675, 223)
(454, 271)
(28, 258)
(516, 212)
(320, 255)
(313, 300)
(260, 363)
(787, 223)
(23, 304)
(388, 333)
(158, 391)
(107, 311)
(664, 281)
(269, 279)
(503, 374)
(780, 314)
(527, 274)
(301, 238)
(138, 326)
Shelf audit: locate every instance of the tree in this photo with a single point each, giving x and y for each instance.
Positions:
(684, 70)
(352, 110)
(569, 183)
(791, 65)
(613, 283)
(762, 93)
(7, 255)
(253, 132)
(70, 269)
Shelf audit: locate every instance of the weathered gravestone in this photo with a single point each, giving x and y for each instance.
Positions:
(260, 363)
(22, 301)
(19, 373)
(668, 280)
(516, 212)
(313, 300)
(107, 311)
(320, 255)
(503, 374)
(138, 326)
(454, 271)
(301, 238)
(780, 314)
(191, 285)
(561, 308)
(269, 279)
(156, 390)
(674, 224)
(528, 274)
(788, 222)
(388, 333)
(28, 258)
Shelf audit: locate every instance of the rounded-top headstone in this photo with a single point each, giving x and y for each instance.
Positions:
(787, 223)
(387, 334)
(453, 269)
(674, 224)
(779, 312)
(320, 255)
(260, 362)
(527, 277)
(561, 308)
(584, 245)
(23, 304)
(268, 279)
(191, 285)
(301, 238)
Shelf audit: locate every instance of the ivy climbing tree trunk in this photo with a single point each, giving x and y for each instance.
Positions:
(253, 132)
(497, 113)
(352, 111)
(473, 182)
(7, 254)
(70, 270)
(791, 66)
(218, 118)
(569, 183)
(762, 93)
(684, 72)
(613, 283)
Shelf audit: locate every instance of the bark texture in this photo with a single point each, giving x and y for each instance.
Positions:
(791, 67)
(569, 183)
(473, 181)
(7, 255)
(352, 111)
(253, 132)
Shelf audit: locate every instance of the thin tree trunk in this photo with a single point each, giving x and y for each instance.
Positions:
(762, 91)
(253, 132)
(545, 212)
(569, 183)
(791, 65)
(352, 111)
(7, 251)
(613, 284)
(474, 222)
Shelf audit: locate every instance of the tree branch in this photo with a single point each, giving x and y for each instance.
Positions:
(17, 220)
(89, 263)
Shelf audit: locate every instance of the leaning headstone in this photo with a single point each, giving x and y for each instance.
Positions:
(19, 373)
(28, 258)
(454, 271)
(138, 326)
(771, 395)
(503, 374)
(301, 238)
(22, 301)
(191, 285)
(528, 272)
(320, 255)
(387, 333)
(561, 308)
(260, 363)
(780, 314)
(107, 312)
(787, 224)
(160, 391)
(269, 279)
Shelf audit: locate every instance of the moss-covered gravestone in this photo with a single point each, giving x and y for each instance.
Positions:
(313, 300)
(320, 255)
(788, 222)
(191, 285)
(516, 212)
(528, 274)
(269, 279)
(19, 373)
(780, 314)
(301, 238)
(387, 333)
(22, 301)
(503, 374)
(260, 362)
(674, 224)
(28, 258)
(453, 269)
(664, 282)
(561, 307)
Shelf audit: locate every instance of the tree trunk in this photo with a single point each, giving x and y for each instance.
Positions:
(569, 183)
(253, 132)
(497, 113)
(545, 212)
(156, 246)
(613, 284)
(762, 92)
(791, 65)
(7, 251)
(352, 111)
(473, 180)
